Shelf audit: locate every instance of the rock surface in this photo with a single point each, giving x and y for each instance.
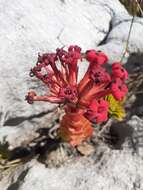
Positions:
(106, 169)
(29, 27)
(113, 171)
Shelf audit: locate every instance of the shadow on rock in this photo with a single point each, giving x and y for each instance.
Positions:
(134, 63)
(117, 135)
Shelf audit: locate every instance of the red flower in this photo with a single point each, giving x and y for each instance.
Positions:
(61, 82)
(69, 62)
(119, 89)
(118, 71)
(30, 97)
(97, 111)
(69, 93)
(99, 75)
(97, 57)
(84, 101)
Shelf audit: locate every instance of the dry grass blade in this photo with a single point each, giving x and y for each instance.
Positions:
(140, 6)
(127, 42)
(134, 7)
(134, 82)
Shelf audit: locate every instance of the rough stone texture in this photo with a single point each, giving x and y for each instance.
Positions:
(29, 27)
(106, 169)
(25, 131)
(116, 40)
(137, 139)
(114, 171)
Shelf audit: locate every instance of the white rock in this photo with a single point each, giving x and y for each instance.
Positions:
(137, 139)
(116, 42)
(24, 132)
(118, 170)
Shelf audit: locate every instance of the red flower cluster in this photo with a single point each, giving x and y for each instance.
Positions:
(97, 111)
(59, 71)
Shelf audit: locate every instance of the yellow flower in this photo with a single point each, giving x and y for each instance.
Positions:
(116, 108)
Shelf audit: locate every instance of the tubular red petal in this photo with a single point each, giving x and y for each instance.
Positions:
(31, 97)
(88, 95)
(83, 82)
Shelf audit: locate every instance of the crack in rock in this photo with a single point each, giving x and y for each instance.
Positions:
(104, 41)
(19, 181)
(97, 28)
(62, 1)
(127, 20)
(108, 9)
(59, 35)
(18, 120)
(137, 184)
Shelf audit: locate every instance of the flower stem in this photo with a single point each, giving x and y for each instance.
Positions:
(127, 42)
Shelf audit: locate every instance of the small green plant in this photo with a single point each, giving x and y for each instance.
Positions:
(6, 166)
(4, 152)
